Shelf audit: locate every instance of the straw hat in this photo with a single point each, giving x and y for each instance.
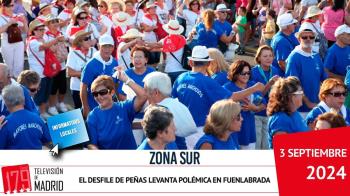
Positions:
(221, 8)
(150, 4)
(313, 11)
(200, 53)
(173, 27)
(78, 36)
(117, 1)
(43, 6)
(78, 11)
(34, 24)
(121, 18)
(81, 3)
(50, 17)
(131, 33)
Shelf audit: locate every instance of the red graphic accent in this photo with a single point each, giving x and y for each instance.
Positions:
(313, 163)
(16, 179)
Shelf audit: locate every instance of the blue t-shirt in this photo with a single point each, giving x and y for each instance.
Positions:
(220, 77)
(318, 110)
(230, 144)
(247, 134)
(145, 146)
(282, 46)
(91, 71)
(28, 104)
(311, 73)
(198, 92)
(24, 130)
(337, 59)
(259, 75)
(111, 128)
(209, 38)
(282, 122)
(225, 27)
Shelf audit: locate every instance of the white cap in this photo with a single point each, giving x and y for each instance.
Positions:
(342, 29)
(305, 27)
(200, 53)
(221, 8)
(285, 20)
(106, 39)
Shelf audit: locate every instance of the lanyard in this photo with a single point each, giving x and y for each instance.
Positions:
(262, 73)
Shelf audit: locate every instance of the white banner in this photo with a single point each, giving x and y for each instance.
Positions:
(144, 172)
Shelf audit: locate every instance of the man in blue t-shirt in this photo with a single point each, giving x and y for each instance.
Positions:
(224, 25)
(5, 80)
(21, 129)
(284, 41)
(102, 63)
(199, 92)
(338, 56)
(308, 67)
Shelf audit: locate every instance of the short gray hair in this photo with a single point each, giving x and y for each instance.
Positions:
(13, 95)
(4, 70)
(159, 81)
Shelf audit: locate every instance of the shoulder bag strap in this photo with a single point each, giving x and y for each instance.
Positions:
(36, 57)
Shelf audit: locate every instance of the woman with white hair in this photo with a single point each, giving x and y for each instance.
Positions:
(23, 129)
(158, 89)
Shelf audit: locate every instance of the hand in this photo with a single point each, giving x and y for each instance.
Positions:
(60, 38)
(2, 121)
(121, 74)
(248, 106)
(259, 86)
(273, 80)
(310, 105)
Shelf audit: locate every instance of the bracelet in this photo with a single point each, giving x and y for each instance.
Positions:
(127, 82)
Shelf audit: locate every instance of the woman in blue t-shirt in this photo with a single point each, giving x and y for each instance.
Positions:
(109, 124)
(158, 124)
(332, 95)
(218, 66)
(223, 121)
(285, 98)
(239, 74)
(208, 32)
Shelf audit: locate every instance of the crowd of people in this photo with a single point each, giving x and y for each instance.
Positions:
(153, 74)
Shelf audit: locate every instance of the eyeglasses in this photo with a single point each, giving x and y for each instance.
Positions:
(87, 39)
(101, 6)
(101, 92)
(308, 37)
(245, 73)
(338, 94)
(300, 92)
(10, 5)
(195, 4)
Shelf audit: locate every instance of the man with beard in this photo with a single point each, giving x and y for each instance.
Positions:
(308, 67)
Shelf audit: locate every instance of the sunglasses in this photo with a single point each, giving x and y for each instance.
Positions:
(101, 6)
(338, 94)
(83, 18)
(195, 4)
(245, 73)
(101, 92)
(238, 117)
(40, 29)
(87, 39)
(33, 90)
(10, 5)
(308, 37)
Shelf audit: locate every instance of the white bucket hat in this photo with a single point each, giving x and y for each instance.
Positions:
(121, 18)
(173, 27)
(312, 11)
(200, 53)
(305, 27)
(285, 20)
(221, 8)
(131, 33)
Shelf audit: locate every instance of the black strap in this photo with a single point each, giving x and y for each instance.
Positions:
(82, 58)
(125, 62)
(175, 58)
